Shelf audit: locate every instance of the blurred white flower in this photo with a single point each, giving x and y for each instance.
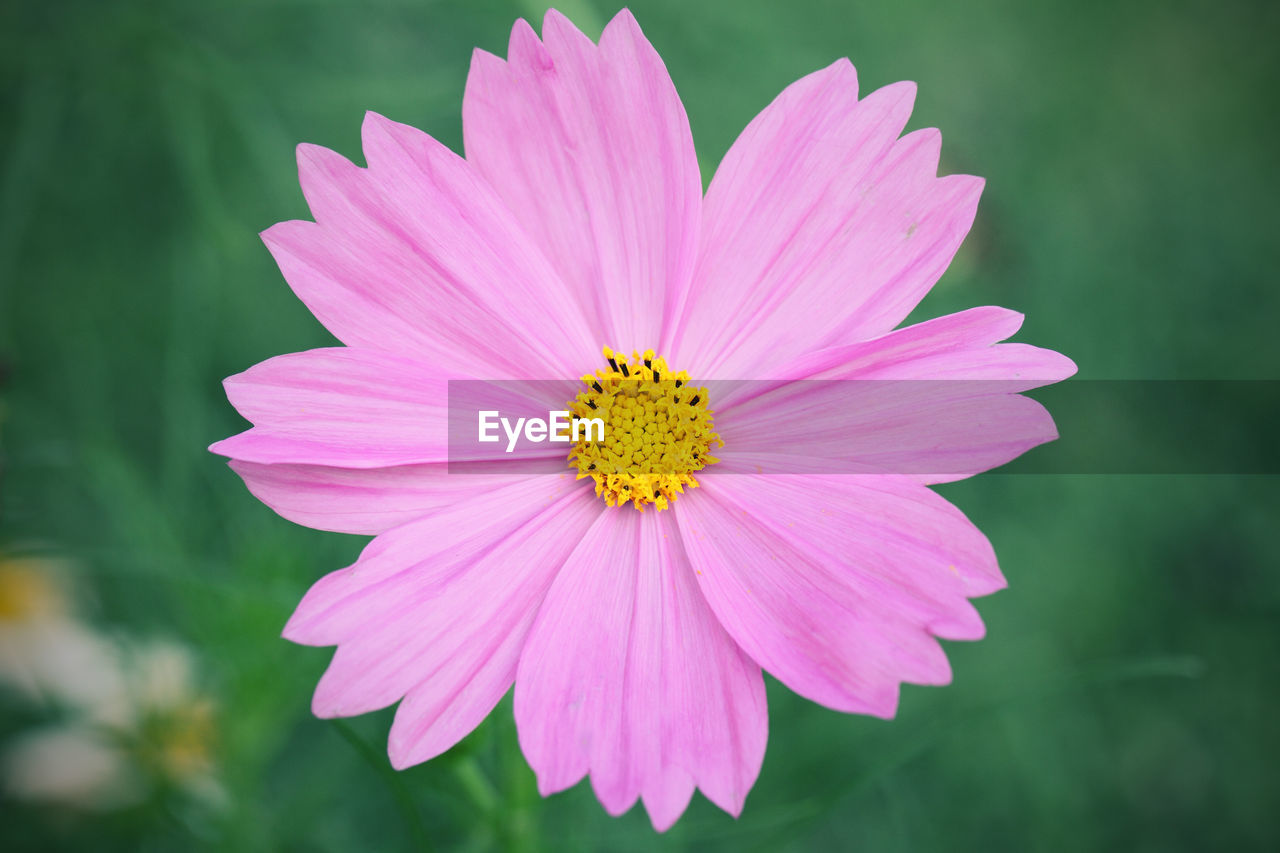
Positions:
(132, 717)
(49, 656)
(72, 766)
(163, 675)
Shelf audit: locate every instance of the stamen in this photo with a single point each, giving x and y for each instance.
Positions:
(653, 444)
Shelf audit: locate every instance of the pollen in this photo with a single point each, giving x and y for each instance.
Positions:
(658, 431)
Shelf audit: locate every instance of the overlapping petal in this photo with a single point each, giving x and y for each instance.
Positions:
(820, 228)
(361, 500)
(358, 408)
(436, 611)
(416, 254)
(937, 401)
(838, 585)
(935, 432)
(960, 345)
(590, 148)
(627, 675)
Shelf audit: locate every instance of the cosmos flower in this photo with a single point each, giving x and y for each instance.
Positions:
(633, 600)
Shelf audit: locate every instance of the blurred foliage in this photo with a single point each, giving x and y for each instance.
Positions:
(1125, 695)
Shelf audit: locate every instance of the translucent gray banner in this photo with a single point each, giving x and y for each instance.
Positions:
(937, 429)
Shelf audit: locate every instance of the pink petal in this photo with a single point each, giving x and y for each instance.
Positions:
(971, 329)
(974, 329)
(819, 219)
(956, 346)
(936, 400)
(360, 500)
(838, 585)
(627, 675)
(933, 431)
(909, 428)
(355, 408)
(436, 611)
(418, 255)
(591, 149)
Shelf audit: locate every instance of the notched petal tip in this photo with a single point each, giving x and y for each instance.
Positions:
(275, 236)
(623, 26)
(549, 784)
(324, 708)
(379, 133)
(964, 628)
(1004, 322)
(557, 27)
(216, 449)
(402, 757)
(617, 800)
(310, 622)
(962, 192)
(375, 127)
(885, 706)
(900, 95)
(839, 75)
(313, 157)
(939, 672)
(976, 184)
(927, 145)
(372, 118)
(994, 583)
(1050, 433)
(668, 800)
(625, 15)
(302, 150)
(405, 748)
(525, 49)
(844, 67)
(546, 787)
(236, 446)
(487, 78)
(326, 178)
(296, 630)
(345, 691)
(483, 63)
(1066, 367)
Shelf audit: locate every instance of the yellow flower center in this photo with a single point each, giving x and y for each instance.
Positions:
(657, 431)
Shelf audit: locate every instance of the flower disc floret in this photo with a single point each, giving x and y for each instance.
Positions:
(658, 431)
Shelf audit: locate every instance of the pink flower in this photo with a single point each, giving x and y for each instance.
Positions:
(635, 640)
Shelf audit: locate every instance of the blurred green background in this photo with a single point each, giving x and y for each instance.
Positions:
(1126, 695)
